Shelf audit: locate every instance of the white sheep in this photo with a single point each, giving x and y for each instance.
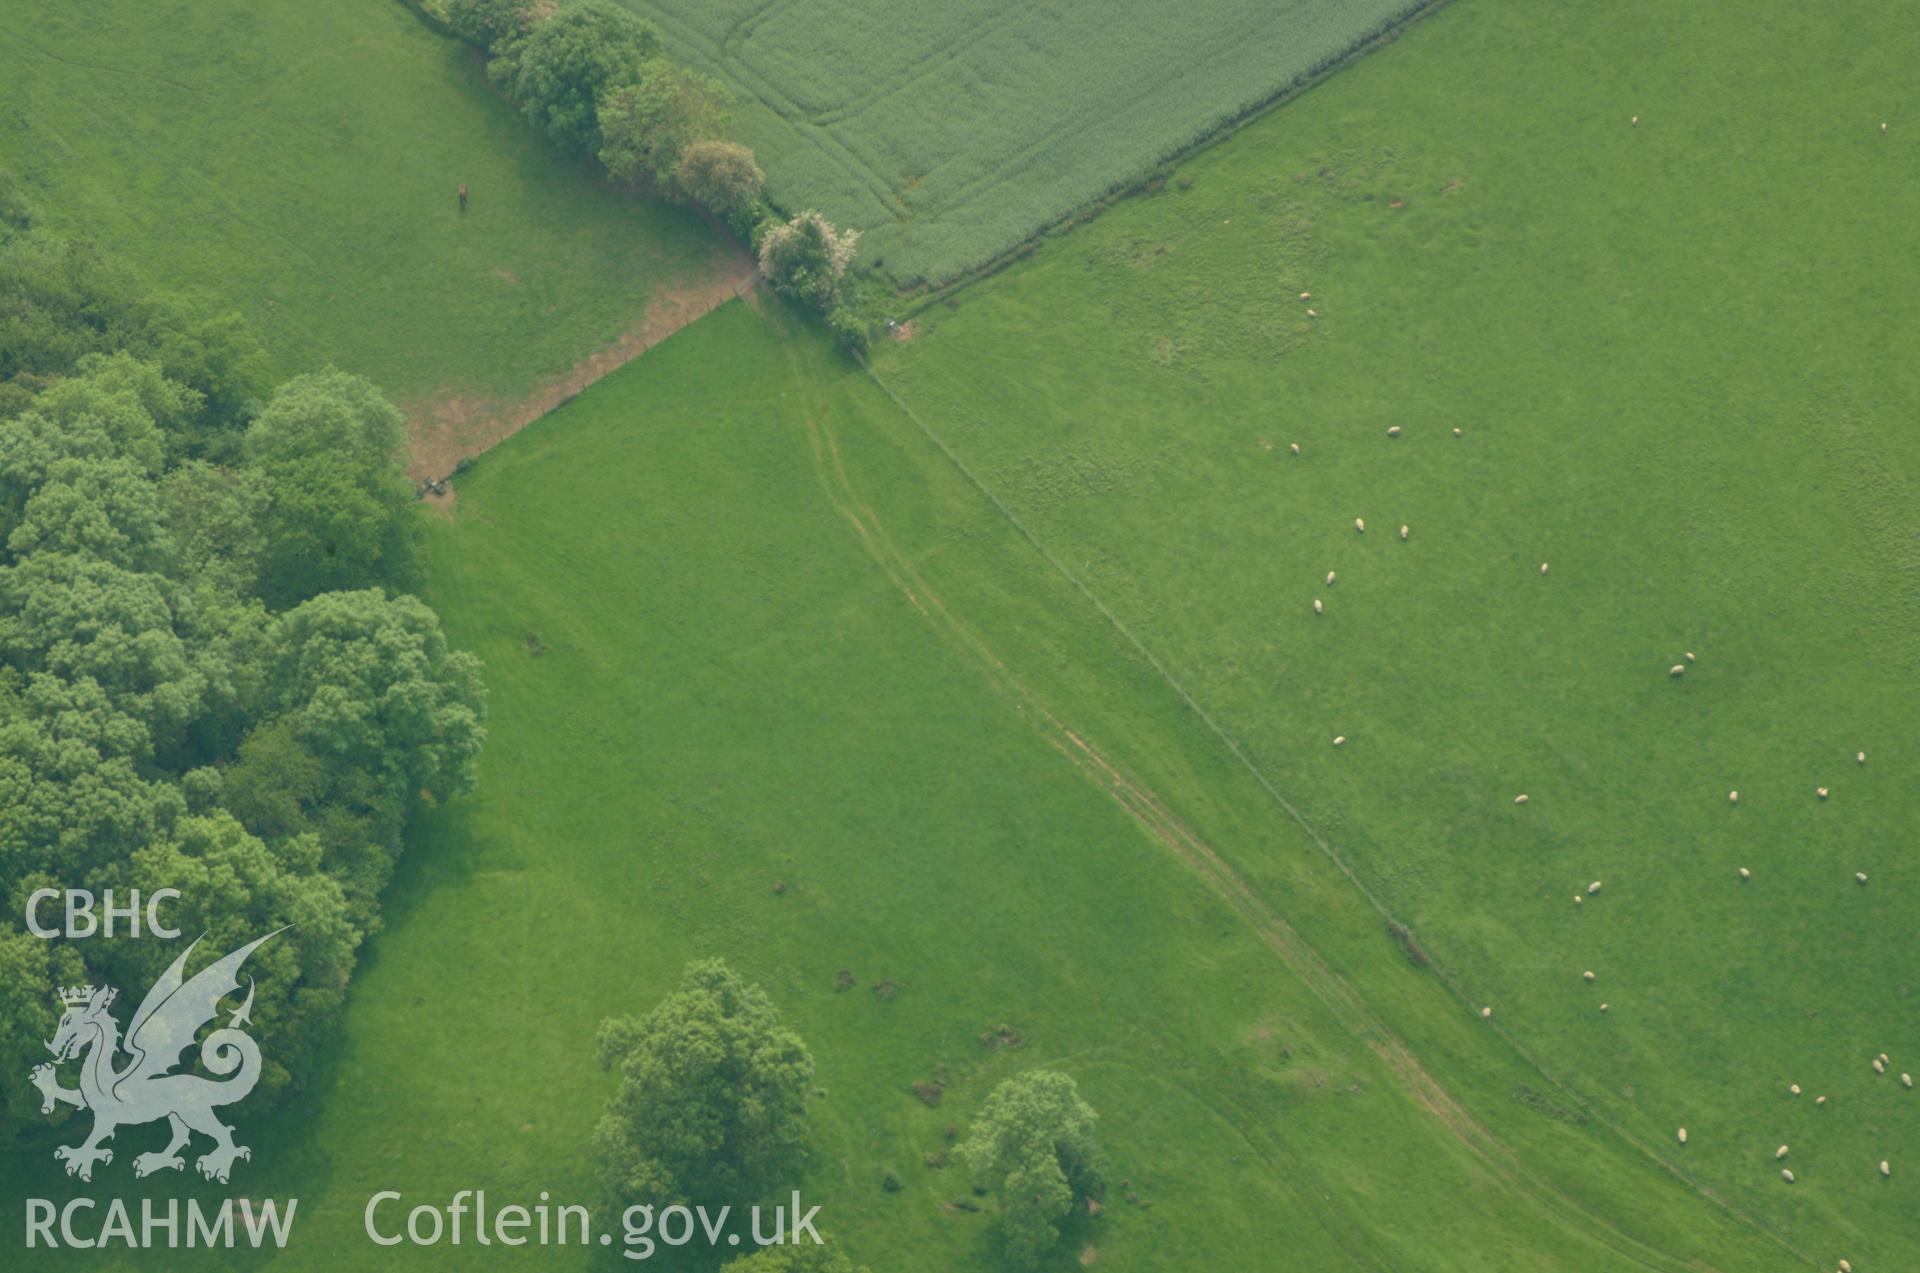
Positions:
(1786, 1175)
(1603, 1007)
(1780, 1153)
(1861, 876)
(1330, 576)
(1678, 669)
(1543, 567)
(1821, 792)
(1521, 798)
(1339, 740)
(1578, 899)
(1313, 313)
(1318, 608)
(1819, 1100)
(1360, 524)
(1682, 1135)
(1587, 975)
(1456, 432)
(1593, 888)
(1879, 1066)
(1794, 1088)
(1635, 121)
(1393, 431)
(1860, 757)
(1733, 797)
(1906, 1080)
(1486, 1014)
(1886, 1168)
(1745, 874)
(1845, 1267)
(1294, 447)
(1404, 532)
(1690, 656)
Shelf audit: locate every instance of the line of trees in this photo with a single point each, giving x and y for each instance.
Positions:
(211, 675)
(593, 77)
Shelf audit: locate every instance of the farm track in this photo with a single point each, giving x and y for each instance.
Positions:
(1145, 806)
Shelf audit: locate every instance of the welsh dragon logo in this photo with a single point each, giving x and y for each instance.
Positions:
(145, 1090)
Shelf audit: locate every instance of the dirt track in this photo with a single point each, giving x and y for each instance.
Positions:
(444, 427)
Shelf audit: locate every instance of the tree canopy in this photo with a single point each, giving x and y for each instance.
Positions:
(1032, 1144)
(205, 682)
(711, 1106)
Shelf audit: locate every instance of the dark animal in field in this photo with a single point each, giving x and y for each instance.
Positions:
(463, 197)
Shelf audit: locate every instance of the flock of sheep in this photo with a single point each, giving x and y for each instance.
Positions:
(1880, 1063)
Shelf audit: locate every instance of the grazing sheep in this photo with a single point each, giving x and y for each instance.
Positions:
(1393, 431)
(1883, 125)
(1794, 1088)
(1317, 607)
(1588, 974)
(1294, 447)
(1635, 121)
(1745, 874)
(1603, 1007)
(1682, 1135)
(1578, 898)
(1690, 656)
(1879, 1066)
(1543, 567)
(1329, 576)
(1360, 525)
(1593, 888)
(1845, 1267)
(1733, 797)
(1860, 876)
(1860, 757)
(1786, 1175)
(1906, 1080)
(1886, 1168)
(1404, 532)
(1821, 792)
(1678, 669)
(1313, 313)
(1780, 1153)
(1819, 1100)
(1306, 296)
(1339, 740)
(1486, 1014)
(1521, 798)
(1456, 432)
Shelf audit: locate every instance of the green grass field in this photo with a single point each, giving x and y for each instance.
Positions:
(951, 133)
(1679, 353)
(783, 640)
(1003, 660)
(299, 163)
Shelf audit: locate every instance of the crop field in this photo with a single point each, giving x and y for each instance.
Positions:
(950, 133)
(1681, 374)
(299, 162)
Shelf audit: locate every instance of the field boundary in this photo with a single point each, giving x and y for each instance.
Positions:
(1154, 172)
(1220, 875)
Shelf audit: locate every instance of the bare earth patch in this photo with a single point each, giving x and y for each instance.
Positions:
(449, 425)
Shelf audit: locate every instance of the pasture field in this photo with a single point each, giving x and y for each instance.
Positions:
(950, 133)
(1679, 354)
(745, 625)
(299, 162)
